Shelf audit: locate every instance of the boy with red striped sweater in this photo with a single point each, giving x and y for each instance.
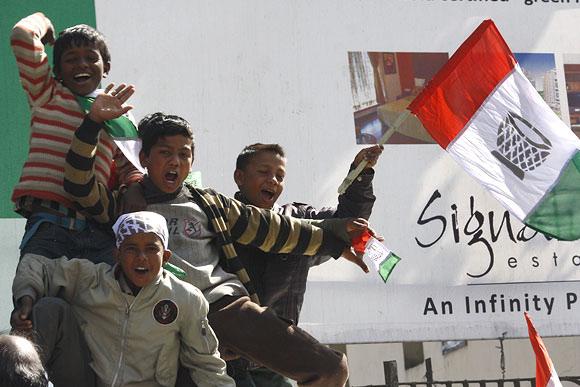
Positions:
(81, 60)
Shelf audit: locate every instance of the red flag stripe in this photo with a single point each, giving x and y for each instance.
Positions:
(543, 363)
(458, 90)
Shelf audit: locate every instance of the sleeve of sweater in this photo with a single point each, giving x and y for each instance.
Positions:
(273, 232)
(93, 198)
(33, 65)
(356, 202)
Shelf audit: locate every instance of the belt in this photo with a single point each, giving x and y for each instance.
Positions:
(39, 218)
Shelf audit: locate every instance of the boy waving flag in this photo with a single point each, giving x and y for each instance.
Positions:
(481, 108)
(546, 375)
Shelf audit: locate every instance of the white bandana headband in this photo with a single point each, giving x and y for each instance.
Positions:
(140, 222)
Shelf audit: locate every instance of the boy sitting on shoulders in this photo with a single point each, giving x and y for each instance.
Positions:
(137, 320)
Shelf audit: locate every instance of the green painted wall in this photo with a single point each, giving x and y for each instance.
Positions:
(14, 113)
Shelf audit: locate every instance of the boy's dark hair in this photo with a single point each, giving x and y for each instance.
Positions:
(251, 150)
(19, 367)
(79, 36)
(157, 125)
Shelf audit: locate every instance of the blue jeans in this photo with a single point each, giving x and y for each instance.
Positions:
(94, 242)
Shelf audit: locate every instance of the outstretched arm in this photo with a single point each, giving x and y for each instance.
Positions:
(272, 232)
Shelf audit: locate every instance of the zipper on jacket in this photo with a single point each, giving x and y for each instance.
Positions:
(204, 328)
(123, 343)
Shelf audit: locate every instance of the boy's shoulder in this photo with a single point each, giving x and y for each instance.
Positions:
(182, 290)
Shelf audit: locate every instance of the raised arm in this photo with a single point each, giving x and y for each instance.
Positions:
(28, 38)
(356, 202)
(94, 198)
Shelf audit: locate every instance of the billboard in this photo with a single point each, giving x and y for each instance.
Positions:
(263, 71)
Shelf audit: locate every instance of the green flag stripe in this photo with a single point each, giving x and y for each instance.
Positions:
(119, 128)
(558, 214)
(387, 266)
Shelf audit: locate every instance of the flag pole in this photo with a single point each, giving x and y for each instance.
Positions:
(362, 165)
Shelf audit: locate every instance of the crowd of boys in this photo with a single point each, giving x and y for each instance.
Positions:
(91, 289)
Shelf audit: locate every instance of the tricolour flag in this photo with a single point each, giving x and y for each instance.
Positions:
(482, 109)
(545, 372)
(381, 258)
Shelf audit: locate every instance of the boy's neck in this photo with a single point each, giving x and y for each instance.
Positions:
(125, 284)
(154, 195)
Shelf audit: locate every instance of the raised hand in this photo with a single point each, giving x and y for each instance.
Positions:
(109, 104)
(49, 34)
(370, 154)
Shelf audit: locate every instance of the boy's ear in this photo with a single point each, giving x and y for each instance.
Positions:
(166, 255)
(143, 159)
(116, 254)
(106, 69)
(239, 177)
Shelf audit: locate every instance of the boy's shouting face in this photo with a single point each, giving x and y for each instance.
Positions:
(261, 181)
(169, 162)
(141, 257)
(82, 68)
(141, 239)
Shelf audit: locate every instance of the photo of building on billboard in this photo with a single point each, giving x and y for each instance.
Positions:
(384, 83)
(572, 76)
(540, 69)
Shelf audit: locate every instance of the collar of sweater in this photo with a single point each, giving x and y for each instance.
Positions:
(154, 195)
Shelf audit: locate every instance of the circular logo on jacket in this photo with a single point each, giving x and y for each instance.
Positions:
(165, 312)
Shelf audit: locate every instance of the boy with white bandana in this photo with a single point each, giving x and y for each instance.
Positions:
(137, 320)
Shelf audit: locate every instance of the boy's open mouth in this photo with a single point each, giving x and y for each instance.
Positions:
(171, 176)
(82, 77)
(267, 194)
(141, 270)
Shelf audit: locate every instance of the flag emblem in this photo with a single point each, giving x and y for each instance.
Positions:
(516, 149)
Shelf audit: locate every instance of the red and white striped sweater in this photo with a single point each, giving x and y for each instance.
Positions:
(55, 115)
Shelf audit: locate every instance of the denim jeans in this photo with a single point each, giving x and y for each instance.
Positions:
(94, 242)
